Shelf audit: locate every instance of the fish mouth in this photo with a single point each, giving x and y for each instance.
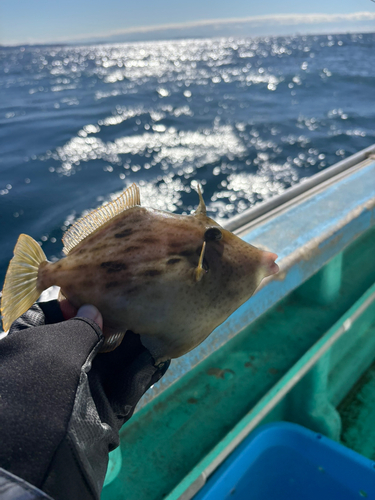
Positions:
(270, 264)
(274, 268)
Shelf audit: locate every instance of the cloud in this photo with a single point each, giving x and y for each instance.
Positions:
(265, 20)
(208, 25)
(252, 21)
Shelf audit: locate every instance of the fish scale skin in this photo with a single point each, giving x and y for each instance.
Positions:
(139, 270)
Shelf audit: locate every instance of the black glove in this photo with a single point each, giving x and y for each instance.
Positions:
(62, 404)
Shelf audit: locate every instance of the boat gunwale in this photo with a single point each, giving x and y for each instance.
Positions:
(238, 222)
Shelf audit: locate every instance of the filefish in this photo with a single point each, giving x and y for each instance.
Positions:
(170, 278)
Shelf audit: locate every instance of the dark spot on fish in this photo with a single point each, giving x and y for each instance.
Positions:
(152, 272)
(124, 233)
(175, 244)
(112, 284)
(150, 240)
(173, 261)
(81, 266)
(133, 290)
(188, 253)
(131, 249)
(113, 266)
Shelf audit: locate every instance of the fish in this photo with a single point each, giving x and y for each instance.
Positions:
(170, 278)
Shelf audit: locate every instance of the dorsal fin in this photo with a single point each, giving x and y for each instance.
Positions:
(95, 219)
(201, 210)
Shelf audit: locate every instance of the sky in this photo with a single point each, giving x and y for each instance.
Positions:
(57, 21)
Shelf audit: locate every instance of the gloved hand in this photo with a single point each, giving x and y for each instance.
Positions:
(62, 404)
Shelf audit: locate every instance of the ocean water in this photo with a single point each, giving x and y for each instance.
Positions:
(247, 118)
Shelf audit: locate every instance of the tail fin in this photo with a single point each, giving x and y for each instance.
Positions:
(20, 287)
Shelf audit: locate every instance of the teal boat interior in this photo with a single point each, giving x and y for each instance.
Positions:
(301, 350)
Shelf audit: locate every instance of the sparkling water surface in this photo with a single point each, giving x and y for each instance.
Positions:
(247, 118)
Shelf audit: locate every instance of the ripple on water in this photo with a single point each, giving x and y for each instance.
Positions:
(245, 117)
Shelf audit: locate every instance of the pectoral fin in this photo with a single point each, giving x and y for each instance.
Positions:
(199, 271)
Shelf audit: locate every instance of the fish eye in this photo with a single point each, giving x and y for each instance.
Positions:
(213, 234)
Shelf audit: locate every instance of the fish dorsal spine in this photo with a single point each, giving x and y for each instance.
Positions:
(201, 210)
(94, 220)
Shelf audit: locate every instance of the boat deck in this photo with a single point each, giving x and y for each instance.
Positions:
(357, 412)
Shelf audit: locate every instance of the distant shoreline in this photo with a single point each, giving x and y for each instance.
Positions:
(182, 38)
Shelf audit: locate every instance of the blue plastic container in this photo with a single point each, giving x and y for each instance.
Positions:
(285, 461)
